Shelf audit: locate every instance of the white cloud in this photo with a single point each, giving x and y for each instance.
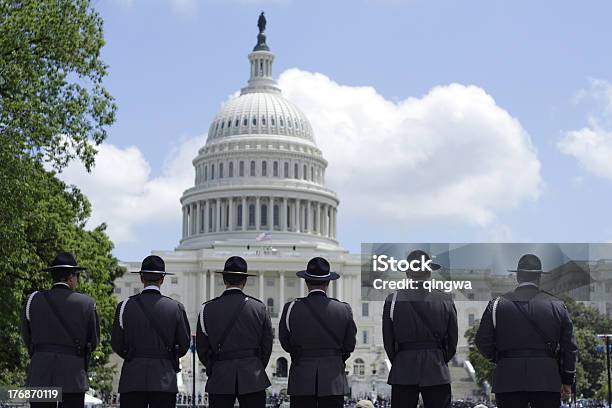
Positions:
(123, 192)
(591, 145)
(451, 154)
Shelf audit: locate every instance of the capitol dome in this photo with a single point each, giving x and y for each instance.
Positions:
(260, 175)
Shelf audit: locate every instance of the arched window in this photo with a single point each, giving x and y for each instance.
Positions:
(359, 367)
(305, 173)
(286, 170)
(281, 122)
(281, 367)
(239, 218)
(252, 168)
(220, 170)
(289, 123)
(222, 125)
(263, 121)
(205, 173)
(272, 121)
(231, 169)
(295, 171)
(229, 123)
(210, 218)
(276, 216)
(251, 215)
(254, 121)
(241, 169)
(264, 168)
(312, 174)
(264, 215)
(237, 122)
(245, 121)
(212, 171)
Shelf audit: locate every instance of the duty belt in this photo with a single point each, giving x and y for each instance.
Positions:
(322, 352)
(57, 348)
(237, 354)
(418, 345)
(523, 353)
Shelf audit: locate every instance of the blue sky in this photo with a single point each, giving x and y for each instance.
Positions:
(546, 63)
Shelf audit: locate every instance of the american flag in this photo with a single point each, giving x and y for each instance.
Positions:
(264, 236)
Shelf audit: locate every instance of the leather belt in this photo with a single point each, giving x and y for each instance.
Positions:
(523, 353)
(322, 352)
(56, 348)
(235, 355)
(418, 345)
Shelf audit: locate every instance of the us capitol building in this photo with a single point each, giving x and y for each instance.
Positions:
(260, 193)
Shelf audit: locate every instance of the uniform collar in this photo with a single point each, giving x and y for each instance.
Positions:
(61, 285)
(231, 291)
(317, 292)
(151, 288)
(523, 284)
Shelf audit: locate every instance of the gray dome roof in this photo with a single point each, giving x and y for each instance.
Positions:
(259, 113)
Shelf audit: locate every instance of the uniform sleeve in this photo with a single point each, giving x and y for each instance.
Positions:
(94, 327)
(182, 335)
(485, 336)
(283, 332)
(267, 339)
(350, 335)
(452, 331)
(387, 329)
(569, 348)
(202, 340)
(25, 328)
(117, 334)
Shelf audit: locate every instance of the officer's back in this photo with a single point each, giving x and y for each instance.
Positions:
(59, 353)
(150, 332)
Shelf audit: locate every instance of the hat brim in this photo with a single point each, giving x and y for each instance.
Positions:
(64, 267)
(306, 275)
(529, 270)
(236, 273)
(157, 272)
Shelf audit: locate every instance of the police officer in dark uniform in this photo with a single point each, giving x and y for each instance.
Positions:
(420, 336)
(234, 342)
(529, 334)
(60, 328)
(150, 332)
(319, 334)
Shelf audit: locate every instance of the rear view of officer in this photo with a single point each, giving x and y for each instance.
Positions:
(420, 336)
(150, 332)
(529, 334)
(234, 342)
(319, 334)
(60, 328)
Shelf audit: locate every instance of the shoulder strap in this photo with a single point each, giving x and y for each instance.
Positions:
(152, 321)
(231, 324)
(529, 319)
(425, 322)
(322, 323)
(61, 319)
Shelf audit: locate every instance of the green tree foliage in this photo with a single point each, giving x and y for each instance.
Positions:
(53, 109)
(590, 366)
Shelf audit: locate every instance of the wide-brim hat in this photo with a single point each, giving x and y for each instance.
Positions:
(235, 265)
(318, 270)
(153, 264)
(64, 261)
(529, 263)
(422, 257)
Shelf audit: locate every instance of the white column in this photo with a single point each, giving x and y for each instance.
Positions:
(184, 221)
(308, 217)
(302, 288)
(318, 217)
(261, 286)
(204, 277)
(230, 215)
(281, 298)
(257, 213)
(271, 214)
(218, 214)
(297, 215)
(339, 285)
(212, 284)
(244, 214)
(283, 215)
(199, 218)
(206, 206)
